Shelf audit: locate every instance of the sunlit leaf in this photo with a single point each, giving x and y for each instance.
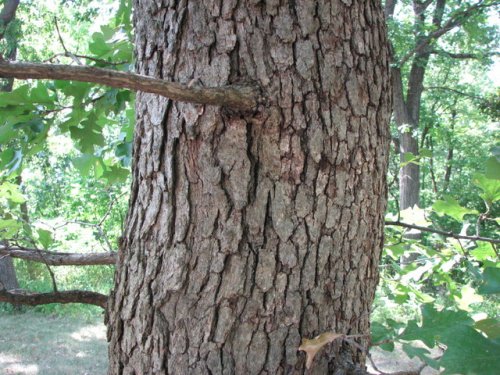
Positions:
(483, 251)
(415, 215)
(45, 238)
(490, 187)
(468, 297)
(452, 208)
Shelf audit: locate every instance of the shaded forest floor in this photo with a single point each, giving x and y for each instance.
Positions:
(38, 344)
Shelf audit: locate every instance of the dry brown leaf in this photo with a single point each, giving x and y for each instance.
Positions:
(313, 346)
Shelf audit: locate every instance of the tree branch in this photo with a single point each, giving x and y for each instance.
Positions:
(452, 55)
(458, 92)
(59, 259)
(233, 96)
(442, 232)
(457, 20)
(71, 296)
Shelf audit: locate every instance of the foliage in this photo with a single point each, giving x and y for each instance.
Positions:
(65, 146)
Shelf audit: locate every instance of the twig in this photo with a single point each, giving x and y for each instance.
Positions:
(108, 211)
(47, 265)
(66, 52)
(91, 58)
(443, 233)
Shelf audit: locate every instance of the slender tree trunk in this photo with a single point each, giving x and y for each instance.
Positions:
(7, 14)
(407, 107)
(250, 231)
(8, 277)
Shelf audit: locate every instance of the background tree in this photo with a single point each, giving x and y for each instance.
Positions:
(443, 29)
(8, 32)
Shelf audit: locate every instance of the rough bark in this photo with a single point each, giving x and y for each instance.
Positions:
(53, 258)
(247, 232)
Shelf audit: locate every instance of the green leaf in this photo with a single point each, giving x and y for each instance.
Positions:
(17, 97)
(45, 238)
(471, 353)
(10, 161)
(380, 332)
(483, 251)
(493, 168)
(85, 163)
(491, 281)
(422, 353)
(7, 133)
(87, 137)
(409, 157)
(437, 326)
(11, 192)
(116, 174)
(490, 326)
(452, 208)
(425, 153)
(490, 187)
(39, 94)
(9, 227)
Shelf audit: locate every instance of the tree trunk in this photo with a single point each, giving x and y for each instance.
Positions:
(250, 231)
(8, 277)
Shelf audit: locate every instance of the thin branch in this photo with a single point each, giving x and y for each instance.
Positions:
(463, 55)
(85, 57)
(442, 232)
(66, 52)
(232, 96)
(97, 227)
(455, 91)
(110, 207)
(59, 258)
(71, 296)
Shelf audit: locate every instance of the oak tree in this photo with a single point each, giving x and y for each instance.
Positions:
(250, 230)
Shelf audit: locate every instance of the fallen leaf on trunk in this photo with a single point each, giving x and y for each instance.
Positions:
(313, 346)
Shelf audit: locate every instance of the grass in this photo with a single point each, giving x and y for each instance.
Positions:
(38, 344)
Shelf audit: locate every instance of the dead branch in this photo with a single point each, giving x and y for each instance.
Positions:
(59, 258)
(233, 96)
(71, 296)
